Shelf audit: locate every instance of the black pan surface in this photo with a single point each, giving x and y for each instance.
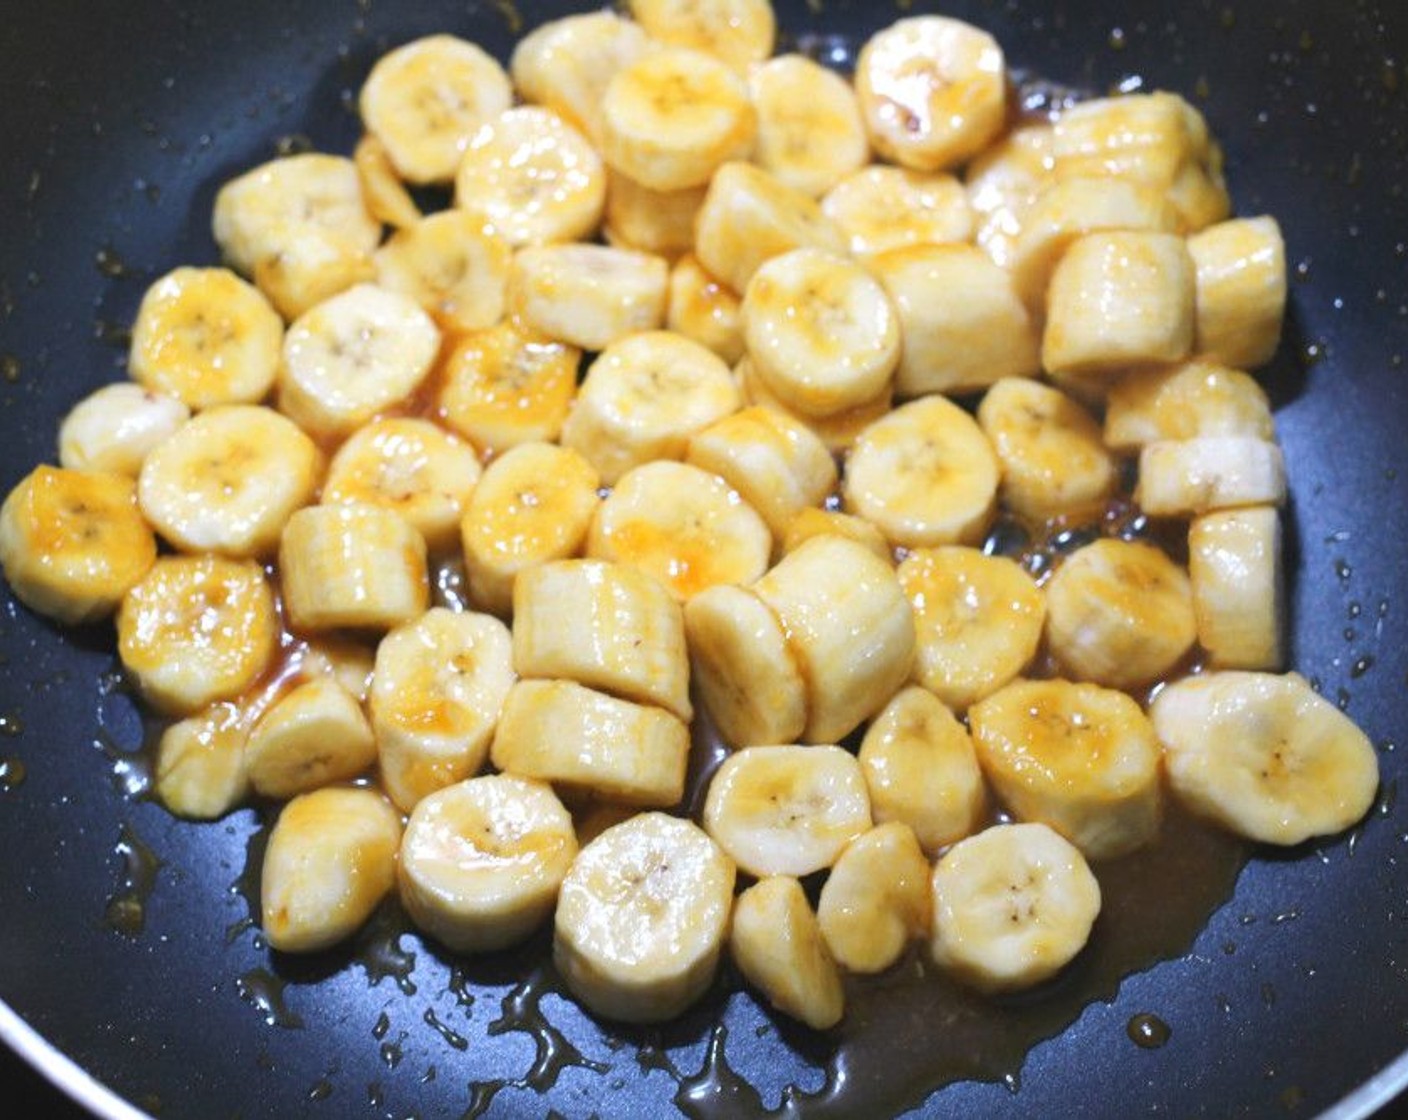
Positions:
(124, 934)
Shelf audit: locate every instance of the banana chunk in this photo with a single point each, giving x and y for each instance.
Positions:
(811, 523)
(837, 432)
(1013, 905)
(880, 208)
(1240, 272)
(453, 265)
(876, 899)
(1183, 401)
(588, 296)
(386, 196)
(481, 861)
(740, 32)
(1002, 182)
(200, 764)
(425, 100)
(115, 428)
(1235, 569)
(652, 221)
(1119, 613)
(312, 736)
(786, 810)
(73, 543)
(205, 337)
(331, 859)
(437, 691)
(641, 918)
(1264, 755)
(777, 943)
(810, 132)
(1178, 478)
(228, 480)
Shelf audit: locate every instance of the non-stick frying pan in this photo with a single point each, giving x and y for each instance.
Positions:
(125, 938)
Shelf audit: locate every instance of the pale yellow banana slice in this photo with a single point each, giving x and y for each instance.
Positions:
(849, 626)
(820, 330)
(453, 265)
(643, 398)
(424, 101)
(353, 566)
(1183, 401)
(1264, 755)
(481, 861)
(200, 765)
(777, 943)
(1079, 758)
(1119, 613)
(670, 119)
(228, 480)
(591, 743)
(1190, 476)
(73, 543)
(114, 428)
(1049, 448)
(925, 475)
(740, 32)
(588, 296)
(641, 918)
(703, 309)
(1013, 905)
(747, 677)
(312, 736)
(921, 770)
(685, 526)
(1002, 181)
(604, 625)
(439, 685)
(837, 432)
(386, 196)
(933, 91)
(881, 207)
(197, 629)
(534, 504)
(1235, 569)
(331, 859)
(876, 899)
(1240, 270)
(811, 523)
(353, 356)
(652, 221)
(978, 621)
(308, 266)
(810, 132)
(534, 177)
(962, 323)
(411, 467)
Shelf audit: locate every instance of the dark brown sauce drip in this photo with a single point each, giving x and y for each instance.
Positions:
(264, 991)
(453, 1038)
(716, 1090)
(12, 773)
(126, 910)
(481, 1097)
(522, 1012)
(1148, 1032)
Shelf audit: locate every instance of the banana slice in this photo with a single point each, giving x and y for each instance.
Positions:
(837, 432)
(1081, 759)
(670, 119)
(652, 221)
(1002, 181)
(353, 356)
(534, 177)
(747, 676)
(588, 296)
(933, 91)
(114, 428)
(205, 337)
(643, 398)
(1264, 755)
(424, 101)
(703, 309)
(977, 620)
(1012, 907)
(308, 267)
(740, 32)
(604, 625)
(1119, 613)
(313, 736)
(1049, 448)
(811, 523)
(821, 332)
(331, 859)
(777, 943)
(880, 208)
(592, 744)
(481, 861)
(1178, 478)
(197, 629)
(1240, 270)
(439, 685)
(200, 764)
(73, 543)
(641, 918)
(924, 475)
(810, 132)
(876, 899)
(786, 810)
(533, 504)
(453, 265)
(411, 467)
(921, 770)
(1183, 401)
(345, 660)
(386, 196)
(849, 626)
(228, 480)
(1234, 567)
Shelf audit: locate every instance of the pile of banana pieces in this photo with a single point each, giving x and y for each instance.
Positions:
(831, 329)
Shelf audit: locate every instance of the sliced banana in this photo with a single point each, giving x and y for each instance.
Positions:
(933, 91)
(641, 918)
(837, 432)
(703, 309)
(811, 523)
(439, 685)
(114, 428)
(453, 265)
(424, 101)
(330, 861)
(74, 543)
(588, 296)
(740, 32)
(1235, 569)
(876, 899)
(777, 943)
(1264, 756)
(481, 861)
(386, 196)
(1191, 476)
(1002, 181)
(312, 736)
(810, 132)
(1119, 613)
(1183, 401)
(345, 660)
(881, 207)
(200, 765)
(1240, 270)
(653, 221)
(309, 265)
(1013, 905)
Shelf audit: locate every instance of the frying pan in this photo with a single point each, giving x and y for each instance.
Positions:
(125, 942)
